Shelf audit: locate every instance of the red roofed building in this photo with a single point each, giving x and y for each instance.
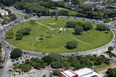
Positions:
(68, 73)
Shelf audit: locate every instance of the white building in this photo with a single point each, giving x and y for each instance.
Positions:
(86, 72)
(3, 12)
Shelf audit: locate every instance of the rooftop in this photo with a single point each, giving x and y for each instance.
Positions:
(86, 72)
(68, 73)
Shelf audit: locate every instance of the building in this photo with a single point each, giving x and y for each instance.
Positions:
(3, 12)
(85, 72)
(68, 73)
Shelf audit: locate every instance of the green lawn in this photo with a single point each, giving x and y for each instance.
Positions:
(18, 14)
(72, 13)
(88, 40)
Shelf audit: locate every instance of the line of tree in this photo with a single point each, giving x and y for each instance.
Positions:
(57, 61)
(41, 7)
(79, 27)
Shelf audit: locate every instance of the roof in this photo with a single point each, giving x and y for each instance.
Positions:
(68, 73)
(86, 72)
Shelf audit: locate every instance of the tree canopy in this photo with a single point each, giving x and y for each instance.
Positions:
(78, 30)
(71, 44)
(71, 24)
(15, 53)
(102, 27)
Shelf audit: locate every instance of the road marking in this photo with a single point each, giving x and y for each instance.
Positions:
(81, 41)
(44, 25)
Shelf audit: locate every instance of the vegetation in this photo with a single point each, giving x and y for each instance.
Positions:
(33, 62)
(78, 30)
(110, 48)
(1, 59)
(56, 72)
(22, 32)
(16, 53)
(77, 8)
(111, 72)
(44, 75)
(57, 42)
(71, 44)
(71, 24)
(58, 61)
(102, 27)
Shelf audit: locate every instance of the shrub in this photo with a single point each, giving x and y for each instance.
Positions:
(16, 53)
(71, 24)
(71, 44)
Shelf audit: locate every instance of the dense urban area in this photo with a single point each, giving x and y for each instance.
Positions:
(57, 38)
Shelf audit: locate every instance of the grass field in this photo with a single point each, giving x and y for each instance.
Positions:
(88, 40)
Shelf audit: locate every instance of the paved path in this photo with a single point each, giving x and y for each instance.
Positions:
(81, 41)
(44, 25)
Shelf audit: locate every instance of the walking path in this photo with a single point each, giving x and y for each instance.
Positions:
(81, 41)
(44, 25)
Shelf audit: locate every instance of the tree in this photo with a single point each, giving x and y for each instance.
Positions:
(102, 27)
(56, 72)
(15, 53)
(37, 63)
(10, 34)
(71, 24)
(53, 13)
(32, 22)
(110, 48)
(27, 61)
(78, 30)
(44, 75)
(64, 12)
(19, 36)
(24, 31)
(75, 2)
(42, 36)
(56, 17)
(71, 44)
(47, 59)
(1, 60)
(3, 22)
(87, 26)
(111, 72)
(55, 56)
(24, 67)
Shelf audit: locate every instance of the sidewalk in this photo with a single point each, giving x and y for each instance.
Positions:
(3, 52)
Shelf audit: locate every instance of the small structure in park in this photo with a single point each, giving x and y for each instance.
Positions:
(61, 29)
(52, 23)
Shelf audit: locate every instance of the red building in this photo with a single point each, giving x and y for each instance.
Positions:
(68, 73)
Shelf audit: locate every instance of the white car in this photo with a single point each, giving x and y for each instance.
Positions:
(114, 29)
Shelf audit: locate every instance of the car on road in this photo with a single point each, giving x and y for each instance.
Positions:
(114, 29)
(1, 66)
(10, 70)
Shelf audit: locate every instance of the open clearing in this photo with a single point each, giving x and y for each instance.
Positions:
(88, 40)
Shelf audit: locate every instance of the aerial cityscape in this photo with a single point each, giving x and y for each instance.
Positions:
(57, 38)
